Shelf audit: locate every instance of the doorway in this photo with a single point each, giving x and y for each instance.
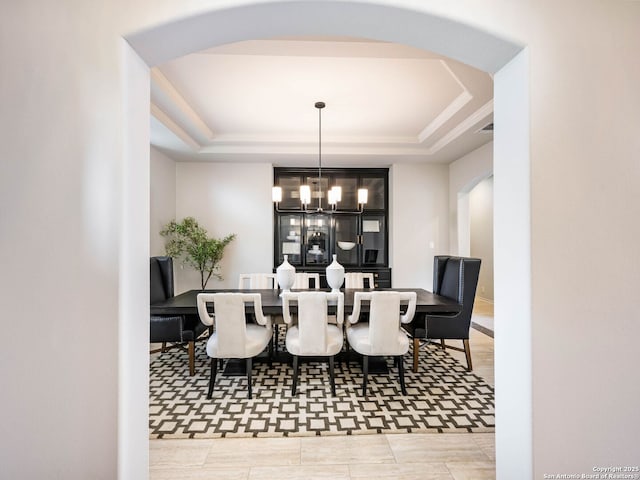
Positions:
(416, 28)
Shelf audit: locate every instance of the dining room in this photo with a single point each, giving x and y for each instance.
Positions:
(442, 452)
(446, 409)
(566, 186)
(410, 216)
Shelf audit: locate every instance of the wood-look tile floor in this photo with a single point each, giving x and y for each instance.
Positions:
(451, 456)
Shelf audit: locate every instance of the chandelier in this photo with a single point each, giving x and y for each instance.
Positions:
(334, 194)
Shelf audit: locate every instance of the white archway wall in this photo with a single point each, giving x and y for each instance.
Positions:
(464, 174)
(580, 211)
(480, 200)
(463, 232)
(133, 282)
(512, 264)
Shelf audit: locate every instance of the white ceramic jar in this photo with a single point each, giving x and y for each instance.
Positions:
(335, 275)
(286, 275)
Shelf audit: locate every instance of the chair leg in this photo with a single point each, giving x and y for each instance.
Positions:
(295, 375)
(442, 345)
(416, 353)
(347, 353)
(331, 377)
(164, 347)
(249, 365)
(467, 352)
(212, 377)
(400, 363)
(270, 353)
(192, 358)
(274, 340)
(365, 372)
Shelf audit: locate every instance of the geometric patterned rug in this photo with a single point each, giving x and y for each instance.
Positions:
(441, 397)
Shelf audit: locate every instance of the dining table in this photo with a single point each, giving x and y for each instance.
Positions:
(186, 302)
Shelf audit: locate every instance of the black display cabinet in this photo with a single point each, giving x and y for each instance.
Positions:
(311, 238)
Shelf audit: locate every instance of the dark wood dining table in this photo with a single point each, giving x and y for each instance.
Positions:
(186, 303)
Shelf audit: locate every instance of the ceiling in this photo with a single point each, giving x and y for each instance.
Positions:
(253, 101)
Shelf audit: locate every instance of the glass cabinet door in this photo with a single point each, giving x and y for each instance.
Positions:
(317, 246)
(374, 240)
(290, 191)
(290, 238)
(377, 193)
(349, 189)
(346, 239)
(319, 189)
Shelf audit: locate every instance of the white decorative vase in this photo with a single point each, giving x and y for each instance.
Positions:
(286, 275)
(335, 275)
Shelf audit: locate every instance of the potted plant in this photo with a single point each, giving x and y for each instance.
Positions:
(191, 243)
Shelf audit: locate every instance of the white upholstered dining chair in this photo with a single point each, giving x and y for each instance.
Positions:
(233, 337)
(303, 281)
(357, 280)
(257, 281)
(382, 335)
(313, 336)
(262, 281)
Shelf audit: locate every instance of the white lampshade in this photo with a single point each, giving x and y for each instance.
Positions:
(332, 197)
(337, 193)
(305, 194)
(276, 194)
(363, 195)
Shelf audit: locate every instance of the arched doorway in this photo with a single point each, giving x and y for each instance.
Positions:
(416, 28)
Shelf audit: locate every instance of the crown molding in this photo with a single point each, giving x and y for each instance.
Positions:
(175, 105)
(176, 129)
(450, 110)
(466, 124)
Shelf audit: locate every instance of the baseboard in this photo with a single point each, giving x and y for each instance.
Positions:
(478, 297)
(482, 329)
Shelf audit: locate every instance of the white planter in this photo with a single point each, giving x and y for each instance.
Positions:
(286, 275)
(335, 275)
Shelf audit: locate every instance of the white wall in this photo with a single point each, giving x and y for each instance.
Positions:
(481, 234)
(61, 179)
(464, 225)
(584, 207)
(163, 198)
(228, 198)
(60, 221)
(419, 223)
(464, 174)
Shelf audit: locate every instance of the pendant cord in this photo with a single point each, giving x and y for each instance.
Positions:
(320, 159)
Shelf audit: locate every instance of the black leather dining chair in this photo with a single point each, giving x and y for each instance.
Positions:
(455, 278)
(177, 330)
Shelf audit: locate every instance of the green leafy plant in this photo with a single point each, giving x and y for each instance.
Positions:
(190, 243)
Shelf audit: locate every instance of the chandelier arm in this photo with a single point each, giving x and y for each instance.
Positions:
(333, 211)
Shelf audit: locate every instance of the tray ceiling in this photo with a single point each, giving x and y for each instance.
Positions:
(253, 101)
